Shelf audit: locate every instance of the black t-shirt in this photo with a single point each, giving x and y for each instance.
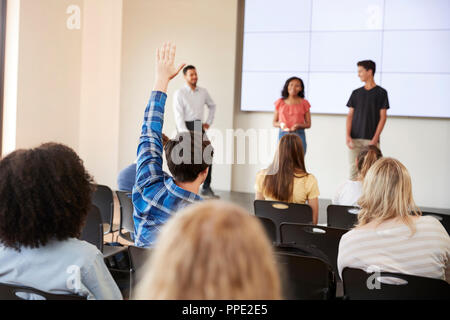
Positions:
(367, 105)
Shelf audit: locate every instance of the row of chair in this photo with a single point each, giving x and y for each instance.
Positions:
(342, 217)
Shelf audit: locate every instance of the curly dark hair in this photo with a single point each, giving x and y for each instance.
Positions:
(45, 194)
(285, 92)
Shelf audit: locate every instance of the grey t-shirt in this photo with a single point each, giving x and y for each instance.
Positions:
(60, 267)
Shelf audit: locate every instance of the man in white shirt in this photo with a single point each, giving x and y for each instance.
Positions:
(189, 103)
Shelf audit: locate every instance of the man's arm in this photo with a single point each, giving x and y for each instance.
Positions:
(178, 110)
(149, 162)
(212, 110)
(380, 127)
(349, 140)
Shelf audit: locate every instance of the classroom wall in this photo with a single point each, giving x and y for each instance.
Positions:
(100, 89)
(49, 74)
(204, 32)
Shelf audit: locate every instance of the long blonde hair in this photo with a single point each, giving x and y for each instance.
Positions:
(211, 251)
(387, 194)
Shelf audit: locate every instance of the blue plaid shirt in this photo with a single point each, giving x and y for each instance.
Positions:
(155, 195)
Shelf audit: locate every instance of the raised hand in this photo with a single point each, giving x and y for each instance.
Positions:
(165, 66)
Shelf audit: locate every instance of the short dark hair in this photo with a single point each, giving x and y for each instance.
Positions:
(186, 69)
(285, 92)
(185, 167)
(45, 194)
(368, 65)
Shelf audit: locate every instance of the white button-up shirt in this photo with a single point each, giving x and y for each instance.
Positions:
(189, 105)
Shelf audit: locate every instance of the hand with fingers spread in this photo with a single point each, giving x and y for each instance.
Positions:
(165, 66)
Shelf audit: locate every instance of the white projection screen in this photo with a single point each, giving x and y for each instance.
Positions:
(321, 41)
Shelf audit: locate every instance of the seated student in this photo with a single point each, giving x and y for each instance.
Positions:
(211, 251)
(157, 195)
(349, 192)
(391, 234)
(127, 176)
(286, 179)
(46, 195)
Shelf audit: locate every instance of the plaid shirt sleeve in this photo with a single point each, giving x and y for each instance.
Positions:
(149, 164)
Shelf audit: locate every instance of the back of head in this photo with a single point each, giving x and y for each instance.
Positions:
(188, 155)
(289, 161)
(211, 251)
(366, 158)
(46, 194)
(387, 194)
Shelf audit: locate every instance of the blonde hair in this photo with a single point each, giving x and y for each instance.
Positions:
(211, 251)
(387, 194)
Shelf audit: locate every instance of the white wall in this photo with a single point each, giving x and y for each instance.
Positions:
(100, 89)
(204, 32)
(49, 73)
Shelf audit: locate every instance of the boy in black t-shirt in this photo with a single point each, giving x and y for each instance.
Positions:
(367, 116)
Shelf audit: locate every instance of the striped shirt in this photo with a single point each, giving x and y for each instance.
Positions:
(156, 197)
(391, 248)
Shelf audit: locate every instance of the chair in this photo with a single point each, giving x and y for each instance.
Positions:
(126, 215)
(343, 217)
(325, 239)
(357, 283)
(270, 228)
(9, 292)
(138, 259)
(93, 229)
(103, 200)
(305, 278)
(444, 219)
(280, 212)
(93, 233)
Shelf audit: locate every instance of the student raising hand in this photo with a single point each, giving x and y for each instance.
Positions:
(165, 66)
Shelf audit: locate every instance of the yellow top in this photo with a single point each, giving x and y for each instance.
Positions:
(305, 188)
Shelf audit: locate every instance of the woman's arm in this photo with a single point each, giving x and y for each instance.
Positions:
(314, 204)
(276, 117)
(305, 125)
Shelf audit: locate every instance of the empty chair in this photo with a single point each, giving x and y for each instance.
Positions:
(342, 217)
(280, 212)
(93, 233)
(93, 228)
(305, 277)
(14, 292)
(270, 228)
(323, 238)
(126, 216)
(444, 219)
(138, 259)
(102, 198)
(359, 285)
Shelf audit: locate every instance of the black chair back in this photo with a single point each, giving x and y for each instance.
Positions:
(126, 215)
(305, 277)
(12, 292)
(270, 228)
(323, 238)
(359, 285)
(104, 201)
(93, 229)
(444, 219)
(280, 212)
(138, 259)
(343, 217)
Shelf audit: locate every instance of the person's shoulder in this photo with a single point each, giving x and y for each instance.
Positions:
(360, 89)
(84, 250)
(306, 102)
(279, 102)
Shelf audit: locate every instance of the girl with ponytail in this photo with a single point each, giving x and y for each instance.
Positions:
(349, 192)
